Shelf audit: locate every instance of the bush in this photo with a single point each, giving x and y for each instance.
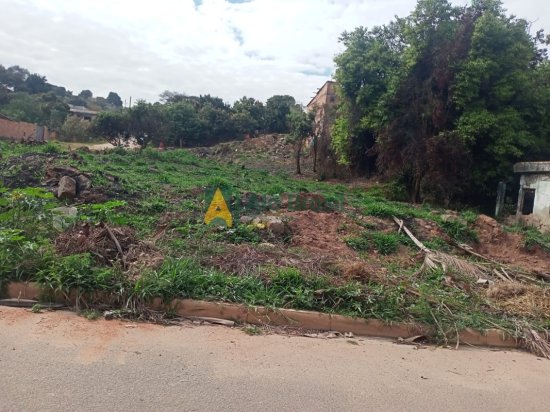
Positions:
(21, 258)
(75, 130)
(77, 273)
(458, 230)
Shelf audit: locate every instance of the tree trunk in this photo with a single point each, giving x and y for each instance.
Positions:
(298, 155)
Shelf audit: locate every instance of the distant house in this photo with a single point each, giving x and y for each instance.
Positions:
(82, 112)
(534, 194)
(324, 105)
(22, 131)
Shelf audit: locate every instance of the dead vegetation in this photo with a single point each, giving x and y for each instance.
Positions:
(109, 246)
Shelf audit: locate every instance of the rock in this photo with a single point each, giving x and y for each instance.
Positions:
(275, 225)
(64, 216)
(83, 183)
(67, 188)
(66, 171)
(267, 245)
(245, 220)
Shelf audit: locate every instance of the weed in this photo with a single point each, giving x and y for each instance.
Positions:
(458, 230)
(532, 238)
(252, 330)
(37, 308)
(90, 314)
(52, 148)
(436, 243)
(384, 243)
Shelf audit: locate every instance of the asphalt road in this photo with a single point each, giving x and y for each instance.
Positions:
(61, 362)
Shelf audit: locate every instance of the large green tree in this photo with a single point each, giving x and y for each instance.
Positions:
(277, 109)
(446, 98)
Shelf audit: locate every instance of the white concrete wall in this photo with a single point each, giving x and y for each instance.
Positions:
(541, 210)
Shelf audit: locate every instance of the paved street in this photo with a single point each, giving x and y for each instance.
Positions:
(62, 362)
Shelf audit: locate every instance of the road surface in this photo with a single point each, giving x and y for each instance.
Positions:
(57, 361)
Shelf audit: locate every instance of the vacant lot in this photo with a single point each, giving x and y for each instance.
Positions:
(137, 233)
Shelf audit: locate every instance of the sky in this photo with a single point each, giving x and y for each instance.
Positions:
(226, 48)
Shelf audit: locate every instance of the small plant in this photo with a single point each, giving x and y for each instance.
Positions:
(239, 234)
(252, 330)
(458, 230)
(37, 308)
(52, 148)
(90, 314)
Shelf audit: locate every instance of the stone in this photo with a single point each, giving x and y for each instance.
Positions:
(64, 216)
(275, 225)
(83, 183)
(245, 220)
(66, 188)
(66, 170)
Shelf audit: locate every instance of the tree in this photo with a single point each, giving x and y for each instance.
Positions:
(184, 127)
(86, 94)
(216, 123)
(448, 99)
(146, 123)
(113, 127)
(114, 99)
(248, 115)
(13, 77)
(277, 109)
(168, 97)
(301, 126)
(35, 83)
(75, 129)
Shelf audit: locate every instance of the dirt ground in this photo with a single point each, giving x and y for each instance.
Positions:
(506, 247)
(268, 152)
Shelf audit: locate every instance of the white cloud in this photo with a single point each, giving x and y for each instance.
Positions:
(230, 49)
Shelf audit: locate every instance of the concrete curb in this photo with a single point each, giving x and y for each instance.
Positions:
(258, 315)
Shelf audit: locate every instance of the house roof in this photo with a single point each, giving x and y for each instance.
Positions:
(81, 110)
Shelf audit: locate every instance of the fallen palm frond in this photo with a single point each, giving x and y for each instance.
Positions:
(535, 343)
(489, 270)
(435, 260)
(517, 292)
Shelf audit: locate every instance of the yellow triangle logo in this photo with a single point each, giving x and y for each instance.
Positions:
(218, 210)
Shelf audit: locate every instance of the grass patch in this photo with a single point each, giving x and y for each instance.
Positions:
(532, 238)
(384, 243)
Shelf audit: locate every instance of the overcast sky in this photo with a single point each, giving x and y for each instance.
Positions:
(228, 48)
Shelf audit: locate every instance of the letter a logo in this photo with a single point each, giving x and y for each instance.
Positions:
(218, 212)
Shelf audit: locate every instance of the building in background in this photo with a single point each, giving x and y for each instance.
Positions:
(534, 194)
(324, 105)
(82, 112)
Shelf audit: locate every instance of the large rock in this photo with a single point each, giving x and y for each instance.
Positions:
(67, 188)
(275, 225)
(83, 183)
(64, 170)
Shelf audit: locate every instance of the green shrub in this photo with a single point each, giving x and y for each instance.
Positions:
(458, 230)
(77, 273)
(21, 258)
